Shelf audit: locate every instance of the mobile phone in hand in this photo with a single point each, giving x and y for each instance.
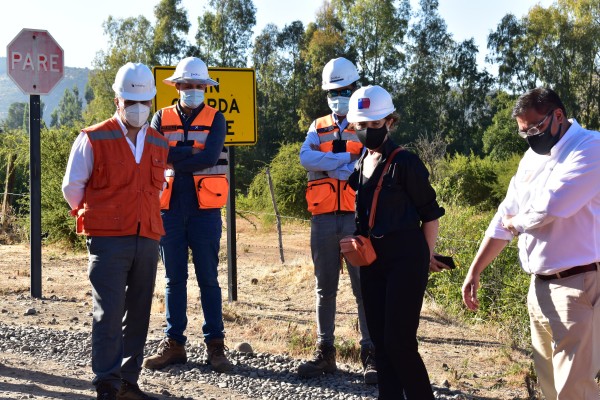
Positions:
(449, 261)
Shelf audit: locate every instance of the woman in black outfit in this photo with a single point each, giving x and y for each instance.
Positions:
(403, 235)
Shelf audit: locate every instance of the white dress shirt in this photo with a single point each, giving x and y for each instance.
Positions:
(81, 163)
(555, 201)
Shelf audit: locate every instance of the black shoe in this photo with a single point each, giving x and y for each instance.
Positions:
(131, 391)
(367, 356)
(105, 391)
(323, 362)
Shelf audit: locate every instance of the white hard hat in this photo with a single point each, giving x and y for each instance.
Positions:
(134, 81)
(338, 73)
(370, 103)
(190, 70)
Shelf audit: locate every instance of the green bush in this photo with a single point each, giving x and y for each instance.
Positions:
(289, 185)
(467, 180)
(504, 285)
(57, 223)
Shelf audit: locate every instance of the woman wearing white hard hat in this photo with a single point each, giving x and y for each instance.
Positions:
(403, 235)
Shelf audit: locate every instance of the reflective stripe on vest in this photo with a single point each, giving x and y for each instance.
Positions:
(325, 194)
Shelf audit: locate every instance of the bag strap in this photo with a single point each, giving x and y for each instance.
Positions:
(379, 184)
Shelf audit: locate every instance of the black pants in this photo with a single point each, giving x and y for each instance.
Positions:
(393, 288)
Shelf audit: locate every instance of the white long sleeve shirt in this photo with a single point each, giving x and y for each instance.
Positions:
(337, 165)
(555, 201)
(81, 163)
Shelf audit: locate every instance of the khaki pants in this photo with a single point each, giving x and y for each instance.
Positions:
(565, 335)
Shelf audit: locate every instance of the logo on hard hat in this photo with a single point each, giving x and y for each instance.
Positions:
(364, 103)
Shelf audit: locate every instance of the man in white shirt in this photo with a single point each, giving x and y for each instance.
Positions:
(553, 206)
(113, 179)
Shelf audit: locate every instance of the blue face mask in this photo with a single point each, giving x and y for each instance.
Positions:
(192, 98)
(339, 105)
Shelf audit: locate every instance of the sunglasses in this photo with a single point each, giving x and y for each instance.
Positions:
(338, 93)
(534, 130)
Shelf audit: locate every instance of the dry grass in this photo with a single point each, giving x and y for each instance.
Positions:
(274, 311)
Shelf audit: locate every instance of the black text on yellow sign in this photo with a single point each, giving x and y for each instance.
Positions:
(235, 97)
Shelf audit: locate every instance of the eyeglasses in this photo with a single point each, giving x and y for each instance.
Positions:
(534, 130)
(338, 93)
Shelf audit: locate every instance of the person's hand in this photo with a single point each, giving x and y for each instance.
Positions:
(437, 266)
(169, 166)
(508, 225)
(469, 291)
(315, 147)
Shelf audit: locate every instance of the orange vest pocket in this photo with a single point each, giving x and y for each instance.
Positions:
(321, 196)
(165, 195)
(212, 190)
(347, 197)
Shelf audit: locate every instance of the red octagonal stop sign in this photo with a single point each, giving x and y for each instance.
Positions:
(35, 61)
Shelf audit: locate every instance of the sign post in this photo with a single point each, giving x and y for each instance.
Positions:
(35, 62)
(235, 97)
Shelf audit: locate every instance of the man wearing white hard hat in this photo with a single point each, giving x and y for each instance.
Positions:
(403, 236)
(329, 153)
(191, 202)
(112, 183)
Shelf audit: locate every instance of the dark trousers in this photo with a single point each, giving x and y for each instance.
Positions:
(393, 288)
(122, 270)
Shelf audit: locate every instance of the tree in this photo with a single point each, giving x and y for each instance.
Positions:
(324, 40)
(69, 110)
(500, 139)
(15, 117)
(514, 53)
(467, 109)
(171, 27)
(555, 46)
(375, 31)
(423, 93)
(129, 40)
(223, 37)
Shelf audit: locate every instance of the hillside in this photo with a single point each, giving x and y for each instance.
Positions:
(12, 94)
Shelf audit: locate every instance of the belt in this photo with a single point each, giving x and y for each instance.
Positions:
(338, 213)
(570, 272)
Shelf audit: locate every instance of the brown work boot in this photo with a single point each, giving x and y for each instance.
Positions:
(169, 352)
(322, 362)
(131, 391)
(105, 391)
(215, 355)
(367, 356)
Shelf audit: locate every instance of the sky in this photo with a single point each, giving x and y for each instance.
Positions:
(77, 24)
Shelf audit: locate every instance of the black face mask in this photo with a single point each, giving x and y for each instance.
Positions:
(544, 141)
(372, 138)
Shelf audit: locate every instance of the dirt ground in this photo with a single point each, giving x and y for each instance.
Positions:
(274, 312)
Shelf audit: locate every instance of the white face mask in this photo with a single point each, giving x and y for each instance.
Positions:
(339, 105)
(137, 114)
(192, 98)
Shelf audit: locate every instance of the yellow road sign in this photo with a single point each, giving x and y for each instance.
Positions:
(235, 97)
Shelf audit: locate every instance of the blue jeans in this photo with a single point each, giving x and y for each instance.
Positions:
(122, 270)
(199, 231)
(326, 232)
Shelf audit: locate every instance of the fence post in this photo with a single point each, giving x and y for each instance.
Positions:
(276, 215)
(8, 188)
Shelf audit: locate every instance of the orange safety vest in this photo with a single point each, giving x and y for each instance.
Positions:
(212, 186)
(121, 197)
(325, 194)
